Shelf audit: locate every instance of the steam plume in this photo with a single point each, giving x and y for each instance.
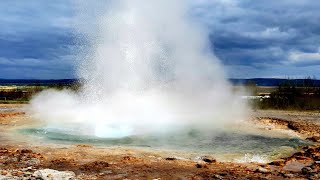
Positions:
(148, 68)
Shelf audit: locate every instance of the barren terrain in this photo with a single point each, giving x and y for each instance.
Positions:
(22, 158)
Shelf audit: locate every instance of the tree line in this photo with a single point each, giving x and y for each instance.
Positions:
(292, 95)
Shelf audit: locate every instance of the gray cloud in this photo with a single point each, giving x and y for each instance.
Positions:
(259, 34)
(252, 38)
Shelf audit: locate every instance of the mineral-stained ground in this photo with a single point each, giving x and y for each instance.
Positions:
(28, 159)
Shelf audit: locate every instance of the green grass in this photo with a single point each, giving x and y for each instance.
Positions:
(13, 102)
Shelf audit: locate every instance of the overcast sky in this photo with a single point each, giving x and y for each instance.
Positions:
(253, 38)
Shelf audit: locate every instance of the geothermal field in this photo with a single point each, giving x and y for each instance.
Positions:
(151, 105)
(269, 144)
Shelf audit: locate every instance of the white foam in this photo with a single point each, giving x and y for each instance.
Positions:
(253, 158)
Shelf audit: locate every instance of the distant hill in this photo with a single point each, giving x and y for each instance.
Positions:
(274, 81)
(29, 82)
(257, 81)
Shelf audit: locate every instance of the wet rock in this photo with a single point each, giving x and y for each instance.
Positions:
(314, 138)
(26, 151)
(28, 169)
(170, 158)
(262, 170)
(223, 173)
(310, 152)
(217, 176)
(306, 147)
(208, 159)
(301, 158)
(293, 126)
(280, 162)
(301, 153)
(50, 174)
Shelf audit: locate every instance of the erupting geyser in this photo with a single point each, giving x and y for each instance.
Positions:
(148, 68)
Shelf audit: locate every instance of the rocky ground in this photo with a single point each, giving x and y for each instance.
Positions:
(20, 159)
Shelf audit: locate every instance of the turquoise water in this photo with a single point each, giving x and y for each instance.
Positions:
(237, 143)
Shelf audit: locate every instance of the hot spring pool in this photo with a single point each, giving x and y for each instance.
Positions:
(242, 145)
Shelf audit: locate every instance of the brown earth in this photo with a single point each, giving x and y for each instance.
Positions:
(20, 157)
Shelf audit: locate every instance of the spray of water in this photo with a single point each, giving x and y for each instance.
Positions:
(253, 158)
(148, 68)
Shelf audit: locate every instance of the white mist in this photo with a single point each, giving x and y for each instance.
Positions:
(148, 69)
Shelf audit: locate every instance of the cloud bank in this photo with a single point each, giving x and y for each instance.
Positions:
(252, 38)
